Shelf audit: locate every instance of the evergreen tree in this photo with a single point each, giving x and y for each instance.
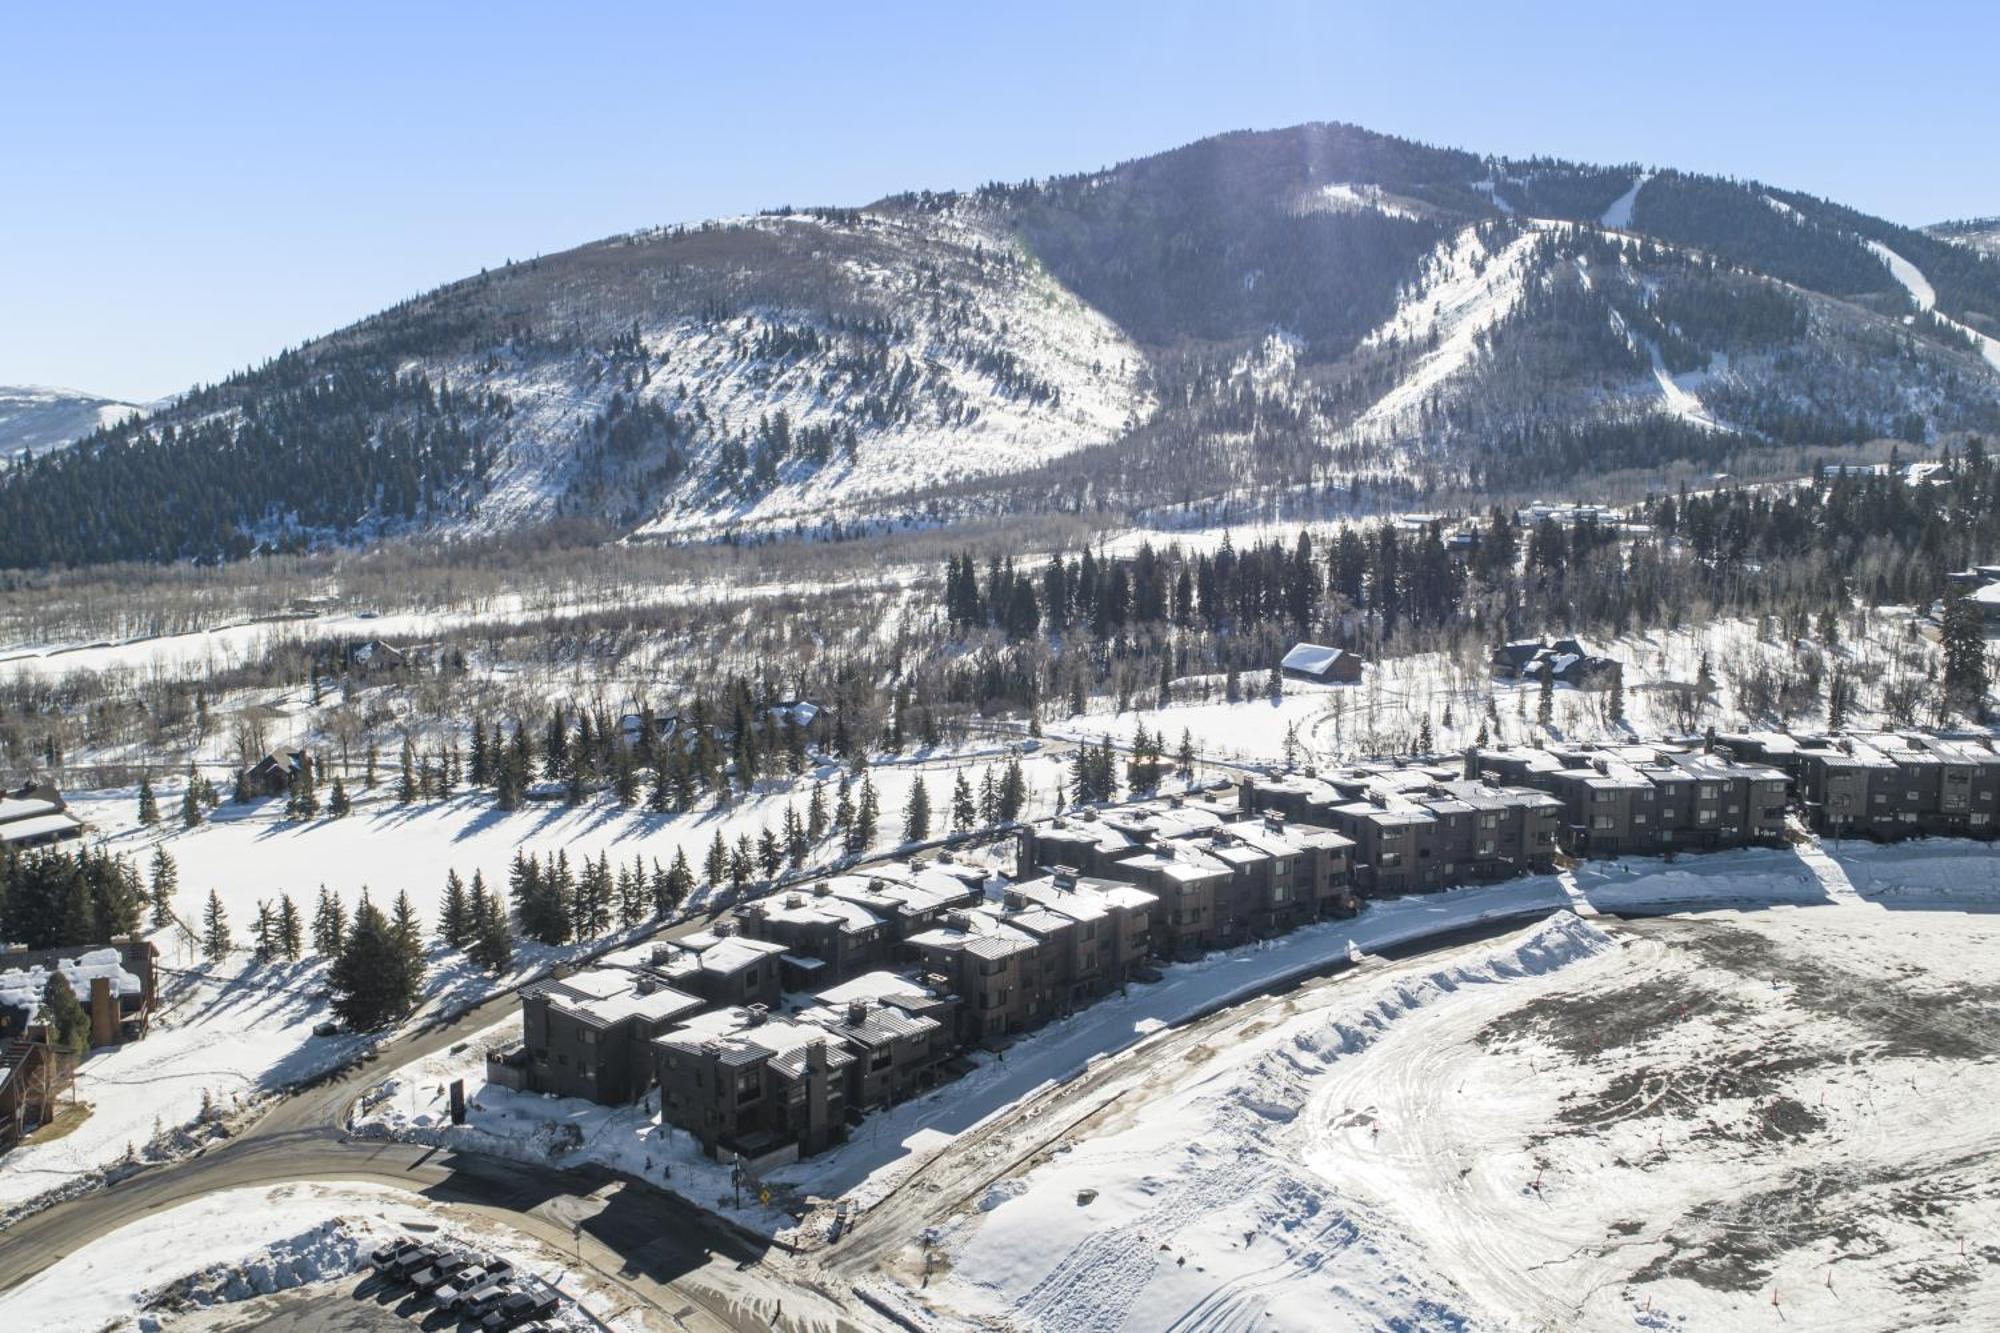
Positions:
(337, 803)
(492, 944)
(329, 923)
(291, 930)
(166, 883)
(917, 813)
(964, 809)
(715, 868)
(1184, 757)
(406, 783)
(679, 884)
(191, 807)
(1966, 670)
(149, 805)
(770, 855)
(371, 977)
(867, 817)
(454, 913)
(409, 937)
(68, 1022)
(214, 929)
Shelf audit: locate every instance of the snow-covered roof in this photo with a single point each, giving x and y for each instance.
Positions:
(23, 988)
(25, 807)
(1311, 658)
(871, 986)
(40, 826)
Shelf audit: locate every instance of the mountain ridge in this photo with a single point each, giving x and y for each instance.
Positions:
(1319, 306)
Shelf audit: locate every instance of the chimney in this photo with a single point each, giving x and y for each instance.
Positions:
(724, 929)
(795, 900)
(857, 1013)
(644, 984)
(1472, 763)
(1014, 900)
(103, 1012)
(757, 1014)
(1064, 877)
(822, 890)
(1274, 821)
(1708, 741)
(1601, 765)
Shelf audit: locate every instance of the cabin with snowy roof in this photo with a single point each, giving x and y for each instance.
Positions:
(1316, 662)
(35, 815)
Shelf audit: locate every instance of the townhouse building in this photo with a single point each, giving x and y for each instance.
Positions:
(825, 937)
(1886, 785)
(753, 1087)
(899, 1032)
(590, 1035)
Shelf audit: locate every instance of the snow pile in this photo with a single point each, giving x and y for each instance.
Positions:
(329, 1250)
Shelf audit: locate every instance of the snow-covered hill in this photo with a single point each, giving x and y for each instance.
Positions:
(35, 419)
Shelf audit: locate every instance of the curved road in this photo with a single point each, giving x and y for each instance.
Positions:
(662, 1253)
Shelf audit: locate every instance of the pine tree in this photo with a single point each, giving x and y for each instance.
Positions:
(867, 816)
(454, 917)
(266, 932)
(1967, 674)
(149, 805)
(797, 847)
(406, 785)
(816, 814)
(69, 1024)
(492, 944)
(679, 884)
(917, 812)
(368, 769)
(214, 929)
(1545, 706)
(166, 883)
(1184, 757)
(291, 933)
(337, 803)
(191, 807)
(329, 923)
(770, 856)
(409, 937)
(372, 981)
(715, 867)
(964, 809)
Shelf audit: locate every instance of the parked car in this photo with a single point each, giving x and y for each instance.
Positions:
(481, 1304)
(489, 1277)
(520, 1308)
(427, 1280)
(453, 1293)
(328, 1028)
(405, 1265)
(382, 1254)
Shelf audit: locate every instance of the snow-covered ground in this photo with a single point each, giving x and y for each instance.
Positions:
(1743, 1118)
(241, 1244)
(253, 853)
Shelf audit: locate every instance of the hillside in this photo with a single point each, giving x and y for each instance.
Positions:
(34, 419)
(1258, 311)
(1981, 234)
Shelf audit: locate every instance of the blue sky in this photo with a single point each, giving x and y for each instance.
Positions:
(192, 187)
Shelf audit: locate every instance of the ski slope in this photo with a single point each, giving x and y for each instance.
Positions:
(1913, 281)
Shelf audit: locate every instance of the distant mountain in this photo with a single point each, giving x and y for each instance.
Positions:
(35, 420)
(1315, 306)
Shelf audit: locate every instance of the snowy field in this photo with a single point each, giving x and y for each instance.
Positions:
(240, 1245)
(1735, 1119)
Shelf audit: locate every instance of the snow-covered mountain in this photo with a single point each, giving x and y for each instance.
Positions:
(34, 419)
(1318, 305)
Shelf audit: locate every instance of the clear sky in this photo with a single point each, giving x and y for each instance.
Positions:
(191, 187)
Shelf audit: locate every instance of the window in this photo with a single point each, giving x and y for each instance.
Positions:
(1280, 893)
(1486, 847)
(1603, 822)
(1704, 816)
(1979, 818)
(1638, 818)
(992, 967)
(1390, 860)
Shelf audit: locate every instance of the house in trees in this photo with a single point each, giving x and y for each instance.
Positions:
(34, 815)
(1565, 660)
(114, 982)
(373, 657)
(1327, 666)
(274, 774)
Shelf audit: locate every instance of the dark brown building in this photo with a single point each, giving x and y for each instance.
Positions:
(590, 1034)
(754, 1088)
